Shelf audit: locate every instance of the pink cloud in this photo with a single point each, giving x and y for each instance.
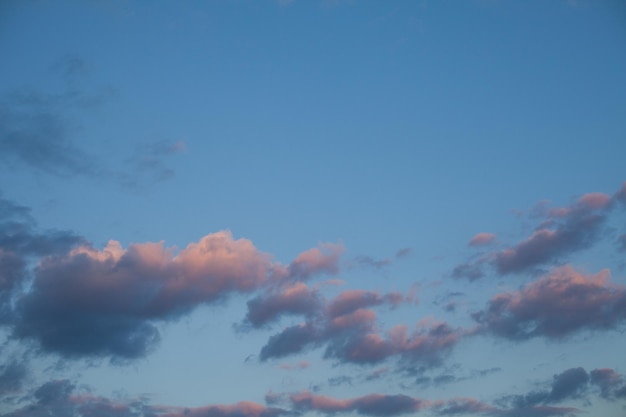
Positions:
(324, 259)
(372, 404)
(103, 302)
(481, 239)
(561, 303)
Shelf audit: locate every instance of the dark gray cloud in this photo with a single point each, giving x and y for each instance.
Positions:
(12, 376)
(612, 385)
(21, 240)
(557, 305)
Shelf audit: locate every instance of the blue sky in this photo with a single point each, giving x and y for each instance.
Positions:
(312, 207)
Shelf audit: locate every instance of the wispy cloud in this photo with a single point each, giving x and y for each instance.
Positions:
(40, 130)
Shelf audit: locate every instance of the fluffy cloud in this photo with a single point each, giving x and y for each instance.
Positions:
(91, 302)
(555, 306)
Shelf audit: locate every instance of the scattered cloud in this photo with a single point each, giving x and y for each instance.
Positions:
(346, 326)
(60, 398)
(562, 231)
(557, 305)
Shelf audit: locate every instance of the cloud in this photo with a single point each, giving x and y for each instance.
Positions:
(324, 258)
(371, 262)
(352, 300)
(369, 405)
(403, 253)
(563, 231)
(398, 404)
(470, 270)
(91, 302)
(464, 406)
(346, 326)
(297, 299)
(58, 398)
(353, 338)
(39, 130)
(482, 239)
(555, 306)
(12, 375)
(621, 243)
(573, 383)
(611, 384)
(21, 240)
(240, 409)
(570, 229)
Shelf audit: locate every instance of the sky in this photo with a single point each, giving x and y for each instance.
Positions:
(264, 208)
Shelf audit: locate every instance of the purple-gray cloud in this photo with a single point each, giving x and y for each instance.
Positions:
(89, 302)
(556, 306)
(565, 230)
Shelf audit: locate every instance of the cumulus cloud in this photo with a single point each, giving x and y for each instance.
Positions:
(557, 305)
(90, 302)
